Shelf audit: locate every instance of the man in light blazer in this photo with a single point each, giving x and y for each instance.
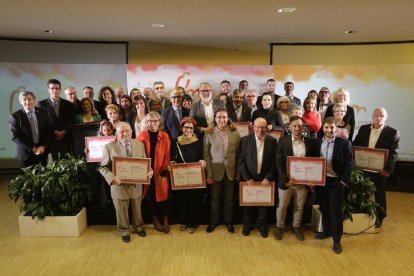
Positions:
(380, 136)
(339, 163)
(31, 131)
(257, 161)
(220, 150)
(203, 110)
(122, 193)
(292, 145)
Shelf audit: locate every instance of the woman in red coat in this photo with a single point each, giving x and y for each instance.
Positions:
(157, 147)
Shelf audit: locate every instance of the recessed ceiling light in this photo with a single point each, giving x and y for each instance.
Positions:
(45, 31)
(286, 10)
(158, 25)
(350, 32)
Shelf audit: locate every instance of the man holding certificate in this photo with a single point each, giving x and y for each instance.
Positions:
(299, 146)
(256, 161)
(338, 154)
(380, 136)
(124, 194)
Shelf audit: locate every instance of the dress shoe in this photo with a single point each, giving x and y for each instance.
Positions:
(246, 230)
(263, 232)
(298, 233)
(157, 224)
(183, 227)
(191, 230)
(166, 225)
(126, 238)
(321, 236)
(211, 228)
(378, 223)
(142, 233)
(230, 228)
(337, 248)
(279, 233)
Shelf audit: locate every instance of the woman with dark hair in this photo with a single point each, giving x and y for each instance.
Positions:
(155, 105)
(187, 148)
(224, 98)
(106, 97)
(125, 104)
(137, 119)
(134, 92)
(89, 113)
(157, 147)
(187, 101)
(271, 115)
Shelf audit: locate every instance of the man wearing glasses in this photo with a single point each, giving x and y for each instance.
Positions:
(323, 101)
(203, 110)
(251, 99)
(172, 115)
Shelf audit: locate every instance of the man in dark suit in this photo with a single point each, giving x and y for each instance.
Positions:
(172, 116)
(61, 113)
(88, 93)
(203, 110)
(293, 145)
(72, 96)
(30, 131)
(238, 111)
(256, 161)
(159, 89)
(338, 154)
(289, 87)
(380, 136)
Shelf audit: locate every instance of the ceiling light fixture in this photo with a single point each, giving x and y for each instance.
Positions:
(45, 31)
(350, 32)
(158, 25)
(286, 10)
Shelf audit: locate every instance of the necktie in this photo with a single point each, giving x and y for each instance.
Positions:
(128, 150)
(177, 113)
(33, 126)
(56, 107)
(260, 156)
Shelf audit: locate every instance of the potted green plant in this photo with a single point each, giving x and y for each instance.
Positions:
(48, 193)
(359, 207)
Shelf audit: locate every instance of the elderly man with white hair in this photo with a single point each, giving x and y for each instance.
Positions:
(380, 136)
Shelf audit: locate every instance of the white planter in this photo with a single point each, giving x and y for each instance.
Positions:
(362, 223)
(316, 223)
(53, 226)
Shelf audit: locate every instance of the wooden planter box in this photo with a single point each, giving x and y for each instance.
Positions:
(362, 223)
(53, 226)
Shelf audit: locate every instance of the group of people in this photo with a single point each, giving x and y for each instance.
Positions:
(178, 130)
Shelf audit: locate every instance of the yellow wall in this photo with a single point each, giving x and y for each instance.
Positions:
(161, 53)
(384, 54)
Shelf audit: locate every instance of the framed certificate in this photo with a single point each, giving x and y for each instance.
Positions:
(187, 176)
(370, 159)
(95, 146)
(277, 133)
(131, 170)
(243, 128)
(307, 170)
(257, 194)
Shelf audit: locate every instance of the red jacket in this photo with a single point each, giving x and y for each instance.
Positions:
(161, 161)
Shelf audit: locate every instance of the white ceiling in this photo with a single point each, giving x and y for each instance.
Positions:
(242, 24)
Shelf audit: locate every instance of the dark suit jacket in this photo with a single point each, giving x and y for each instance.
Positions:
(272, 117)
(342, 160)
(349, 118)
(167, 103)
(171, 123)
(66, 113)
(247, 159)
(22, 133)
(389, 139)
(285, 149)
(245, 114)
(197, 111)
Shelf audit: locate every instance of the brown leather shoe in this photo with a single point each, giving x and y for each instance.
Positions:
(166, 225)
(157, 224)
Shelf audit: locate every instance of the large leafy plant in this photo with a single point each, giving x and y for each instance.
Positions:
(358, 197)
(60, 188)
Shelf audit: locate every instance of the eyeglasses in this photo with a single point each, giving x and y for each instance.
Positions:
(251, 96)
(342, 111)
(175, 97)
(153, 121)
(260, 127)
(205, 91)
(188, 127)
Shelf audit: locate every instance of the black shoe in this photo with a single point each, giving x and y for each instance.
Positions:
(246, 231)
(263, 232)
(141, 233)
(378, 223)
(321, 236)
(337, 248)
(298, 233)
(279, 233)
(126, 238)
(230, 228)
(211, 228)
